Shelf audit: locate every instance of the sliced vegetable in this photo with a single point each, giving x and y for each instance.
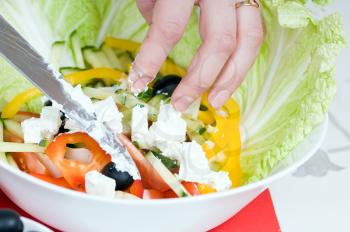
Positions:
(74, 171)
(169, 163)
(113, 59)
(21, 116)
(14, 128)
(18, 101)
(96, 58)
(149, 175)
(137, 188)
(122, 44)
(205, 189)
(84, 77)
(191, 187)
(167, 176)
(20, 147)
(169, 67)
(77, 53)
(55, 181)
(3, 157)
(11, 161)
(152, 194)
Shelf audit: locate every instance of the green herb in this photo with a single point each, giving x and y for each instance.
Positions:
(145, 95)
(202, 130)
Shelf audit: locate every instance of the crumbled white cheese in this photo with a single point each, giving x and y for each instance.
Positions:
(72, 126)
(99, 185)
(107, 112)
(139, 126)
(45, 127)
(194, 165)
(169, 125)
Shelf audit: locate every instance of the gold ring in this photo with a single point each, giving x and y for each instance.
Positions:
(248, 3)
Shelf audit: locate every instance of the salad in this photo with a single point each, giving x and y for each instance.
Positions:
(203, 150)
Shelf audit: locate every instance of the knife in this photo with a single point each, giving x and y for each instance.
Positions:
(44, 76)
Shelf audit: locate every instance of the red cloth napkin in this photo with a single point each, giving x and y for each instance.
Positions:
(259, 215)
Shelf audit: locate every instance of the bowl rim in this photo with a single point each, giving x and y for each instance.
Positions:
(262, 183)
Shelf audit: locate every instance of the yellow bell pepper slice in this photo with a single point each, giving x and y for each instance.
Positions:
(233, 167)
(18, 101)
(168, 67)
(122, 44)
(83, 77)
(205, 189)
(206, 117)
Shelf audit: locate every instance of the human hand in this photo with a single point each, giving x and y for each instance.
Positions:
(231, 39)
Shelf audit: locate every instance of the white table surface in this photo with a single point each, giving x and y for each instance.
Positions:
(317, 197)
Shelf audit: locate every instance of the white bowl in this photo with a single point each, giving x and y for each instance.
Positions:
(73, 211)
(30, 225)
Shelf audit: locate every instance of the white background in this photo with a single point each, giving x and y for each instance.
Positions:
(317, 197)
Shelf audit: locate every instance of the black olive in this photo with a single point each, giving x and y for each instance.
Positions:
(63, 119)
(166, 85)
(48, 103)
(122, 179)
(10, 221)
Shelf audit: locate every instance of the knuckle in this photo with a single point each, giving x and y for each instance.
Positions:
(172, 30)
(225, 41)
(254, 35)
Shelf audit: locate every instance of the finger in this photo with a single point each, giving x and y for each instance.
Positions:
(146, 9)
(168, 24)
(250, 34)
(218, 27)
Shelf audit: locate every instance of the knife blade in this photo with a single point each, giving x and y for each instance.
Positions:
(44, 76)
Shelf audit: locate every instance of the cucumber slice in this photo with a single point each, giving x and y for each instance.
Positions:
(13, 127)
(113, 59)
(77, 54)
(3, 157)
(96, 58)
(11, 161)
(20, 147)
(132, 101)
(167, 176)
(98, 93)
(155, 101)
(44, 143)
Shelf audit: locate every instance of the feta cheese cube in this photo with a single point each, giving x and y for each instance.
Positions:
(194, 166)
(99, 185)
(45, 127)
(107, 112)
(139, 126)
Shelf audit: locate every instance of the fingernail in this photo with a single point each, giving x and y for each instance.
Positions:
(219, 98)
(182, 103)
(140, 84)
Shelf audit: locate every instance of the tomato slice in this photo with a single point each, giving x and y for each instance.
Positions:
(74, 171)
(137, 188)
(152, 194)
(26, 161)
(170, 194)
(56, 181)
(191, 187)
(21, 116)
(149, 176)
